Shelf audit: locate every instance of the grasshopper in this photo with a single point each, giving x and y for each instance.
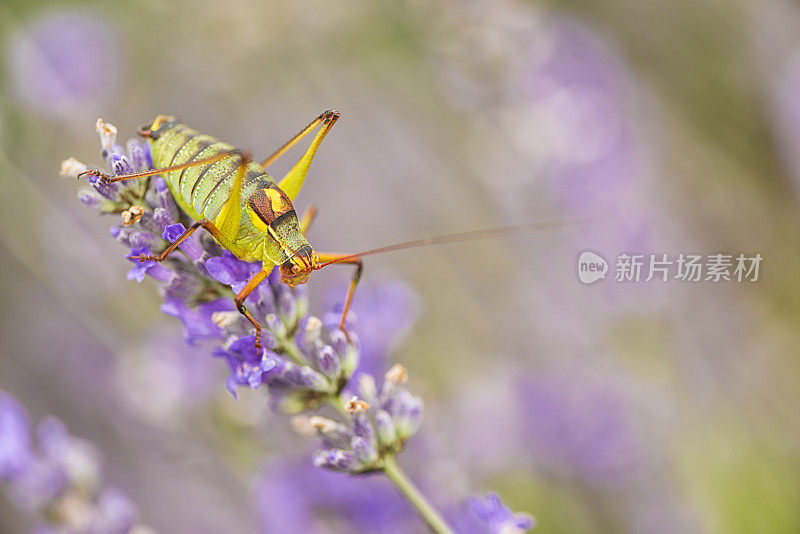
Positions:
(252, 215)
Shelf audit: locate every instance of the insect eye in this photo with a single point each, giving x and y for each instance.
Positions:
(295, 269)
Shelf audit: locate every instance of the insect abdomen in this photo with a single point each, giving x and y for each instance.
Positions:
(202, 190)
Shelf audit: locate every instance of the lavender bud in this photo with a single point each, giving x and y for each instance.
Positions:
(337, 460)
(366, 387)
(146, 221)
(183, 285)
(287, 309)
(349, 358)
(138, 239)
(362, 427)
(269, 340)
(364, 451)
(337, 340)
(312, 335)
(120, 164)
(275, 326)
(107, 133)
(90, 198)
(409, 417)
(165, 197)
(314, 380)
(136, 154)
(328, 362)
(334, 435)
(104, 187)
(162, 219)
(384, 426)
(72, 168)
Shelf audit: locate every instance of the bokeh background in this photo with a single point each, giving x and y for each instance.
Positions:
(643, 408)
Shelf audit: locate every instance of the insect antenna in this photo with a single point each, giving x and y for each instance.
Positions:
(472, 235)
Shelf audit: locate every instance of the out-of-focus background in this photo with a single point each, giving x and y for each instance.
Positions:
(643, 407)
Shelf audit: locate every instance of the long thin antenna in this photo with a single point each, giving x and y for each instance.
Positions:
(486, 233)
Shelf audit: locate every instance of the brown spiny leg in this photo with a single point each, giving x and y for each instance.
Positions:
(121, 177)
(242, 296)
(308, 217)
(205, 223)
(345, 259)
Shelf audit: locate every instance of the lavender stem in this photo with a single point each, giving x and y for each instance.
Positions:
(421, 506)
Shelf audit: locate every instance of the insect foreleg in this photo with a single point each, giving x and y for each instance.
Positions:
(242, 296)
(121, 177)
(349, 259)
(293, 181)
(308, 217)
(205, 223)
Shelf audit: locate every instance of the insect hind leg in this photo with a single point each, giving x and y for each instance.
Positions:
(293, 181)
(242, 296)
(328, 258)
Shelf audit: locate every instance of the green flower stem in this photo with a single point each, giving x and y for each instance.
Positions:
(421, 505)
(291, 349)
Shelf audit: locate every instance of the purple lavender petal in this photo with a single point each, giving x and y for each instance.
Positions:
(189, 246)
(197, 323)
(499, 517)
(230, 270)
(150, 267)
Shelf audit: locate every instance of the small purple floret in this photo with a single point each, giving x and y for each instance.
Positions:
(499, 517)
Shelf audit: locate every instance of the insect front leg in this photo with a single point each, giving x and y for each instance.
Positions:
(205, 223)
(121, 177)
(242, 296)
(349, 259)
(308, 217)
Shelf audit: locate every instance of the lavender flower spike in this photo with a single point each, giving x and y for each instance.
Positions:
(306, 363)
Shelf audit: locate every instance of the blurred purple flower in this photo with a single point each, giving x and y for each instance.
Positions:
(15, 441)
(59, 480)
(592, 163)
(499, 517)
(578, 424)
(293, 496)
(62, 60)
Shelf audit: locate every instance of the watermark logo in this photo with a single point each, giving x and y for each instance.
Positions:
(663, 267)
(591, 267)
